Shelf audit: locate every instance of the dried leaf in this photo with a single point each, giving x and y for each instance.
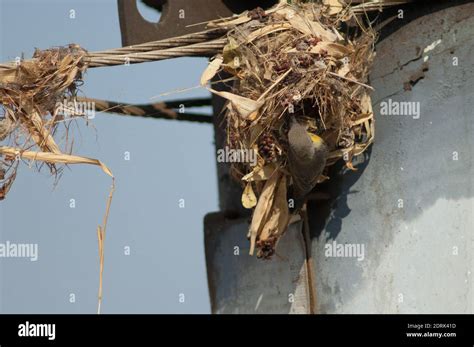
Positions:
(242, 105)
(262, 210)
(211, 70)
(310, 27)
(334, 6)
(268, 29)
(366, 104)
(249, 200)
(280, 214)
(286, 12)
(260, 173)
(54, 158)
(253, 116)
(344, 70)
(335, 50)
(8, 74)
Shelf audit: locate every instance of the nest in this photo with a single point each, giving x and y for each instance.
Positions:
(309, 62)
(29, 95)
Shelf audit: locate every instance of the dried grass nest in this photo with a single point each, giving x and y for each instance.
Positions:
(29, 96)
(305, 61)
(308, 61)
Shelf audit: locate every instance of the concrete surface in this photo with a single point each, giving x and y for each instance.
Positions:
(240, 283)
(411, 203)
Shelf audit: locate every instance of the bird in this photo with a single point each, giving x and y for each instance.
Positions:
(307, 155)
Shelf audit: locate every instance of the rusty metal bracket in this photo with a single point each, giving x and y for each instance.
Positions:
(179, 17)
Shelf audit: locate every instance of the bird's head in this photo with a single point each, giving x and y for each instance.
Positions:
(299, 135)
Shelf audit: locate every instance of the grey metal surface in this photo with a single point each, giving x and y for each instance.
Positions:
(411, 202)
(240, 283)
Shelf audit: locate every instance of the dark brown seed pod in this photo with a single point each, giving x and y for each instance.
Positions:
(267, 148)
